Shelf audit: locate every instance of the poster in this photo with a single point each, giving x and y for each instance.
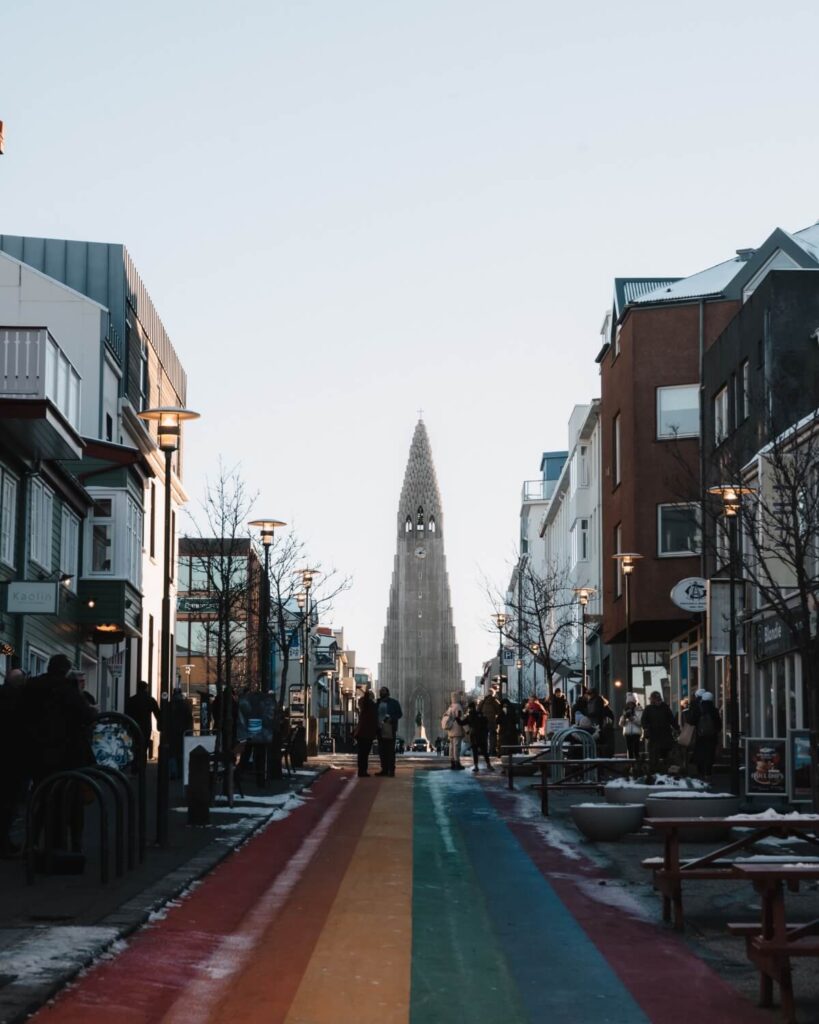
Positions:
(799, 751)
(766, 766)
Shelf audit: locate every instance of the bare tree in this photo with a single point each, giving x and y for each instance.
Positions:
(541, 615)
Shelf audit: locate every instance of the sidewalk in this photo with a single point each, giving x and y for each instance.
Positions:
(53, 929)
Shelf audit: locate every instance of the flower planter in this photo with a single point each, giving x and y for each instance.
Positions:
(606, 823)
(635, 794)
(695, 805)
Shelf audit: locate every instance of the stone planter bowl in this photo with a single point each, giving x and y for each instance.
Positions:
(630, 794)
(711, 805)
(606, 823)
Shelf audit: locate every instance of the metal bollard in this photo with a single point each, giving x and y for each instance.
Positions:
(199, 786)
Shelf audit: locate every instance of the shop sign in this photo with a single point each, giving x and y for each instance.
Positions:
(27, 598)
(197, 605)
(766, 771)
(773, 638)
(799, 765)
(690, 594)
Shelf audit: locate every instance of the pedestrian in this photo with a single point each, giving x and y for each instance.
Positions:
(602, 717)
(508, 732)
(630, 723)
(478, 726)
(141, 706)
(707, 722)
(580, 714)
(452, 723)
(389, 713)
(366, 731)
(534, 718)
(659, 727)
(181, 722)
(490, 707)
(558, 705)
(12, 758)
(56, 724)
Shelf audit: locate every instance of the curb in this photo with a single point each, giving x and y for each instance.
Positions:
(123, 922)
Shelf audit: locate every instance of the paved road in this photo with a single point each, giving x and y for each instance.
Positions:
(431, 897)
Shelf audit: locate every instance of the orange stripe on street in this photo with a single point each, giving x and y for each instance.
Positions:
(360, 968)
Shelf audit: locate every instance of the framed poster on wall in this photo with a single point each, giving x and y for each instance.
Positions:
(766, 766)
(799, 765)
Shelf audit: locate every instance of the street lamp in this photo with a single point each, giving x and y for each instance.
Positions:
(307, 577)
(731, 505)
(584, 595)
(535, 649)
(169, 420)
(501, 620)
(187, 669)
(627, 560)
(266, 528)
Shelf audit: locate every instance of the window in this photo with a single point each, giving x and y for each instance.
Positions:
(615, 441)
(579, 468)
(37, 662)
(722, 541)
(720, 416)
(198, 643)
(580, 541)
(736, 406)
(69, 546)
(678, 411)
(678, 529)
(419, 520)
(745, 379)
(41, 525)
(152, 539)
(133, 540)
(8, 519)
(615, 349)
(408, 525)
(102, 537)
(109, 427)
(432, 526)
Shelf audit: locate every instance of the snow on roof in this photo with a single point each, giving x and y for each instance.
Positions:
(712, 281)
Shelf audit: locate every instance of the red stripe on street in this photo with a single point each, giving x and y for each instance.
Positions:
(648, 959)
(145, 981)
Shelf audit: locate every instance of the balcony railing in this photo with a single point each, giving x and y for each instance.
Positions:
(32, 365)
(536, 490)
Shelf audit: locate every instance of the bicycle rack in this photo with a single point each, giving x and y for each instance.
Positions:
(44, 801)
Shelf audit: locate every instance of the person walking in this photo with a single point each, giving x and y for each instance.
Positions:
(389, 714)
(454, 727)
(707, 722)
(534, 718)
(12, 758)
(478, 727)
(140, 706)
(558, 705)
(181, 722)
(630, 723)
(659, 727)
(490, 708)
(508, 732)
(366, 731)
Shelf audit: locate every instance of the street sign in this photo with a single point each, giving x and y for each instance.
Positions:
(197, 605)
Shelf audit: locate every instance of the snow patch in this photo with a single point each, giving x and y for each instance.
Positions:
(612, 895)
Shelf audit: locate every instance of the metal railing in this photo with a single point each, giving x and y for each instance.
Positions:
(32, 365)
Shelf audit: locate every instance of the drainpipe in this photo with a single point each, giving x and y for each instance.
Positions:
(704, 673)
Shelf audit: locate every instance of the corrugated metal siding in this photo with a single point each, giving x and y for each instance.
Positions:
(634, 289)
(106, 273)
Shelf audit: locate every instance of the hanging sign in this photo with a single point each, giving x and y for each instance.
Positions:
(25, 597)
(719, 617)
(690, 594)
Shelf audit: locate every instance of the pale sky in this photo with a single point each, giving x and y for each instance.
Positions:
(346, 210)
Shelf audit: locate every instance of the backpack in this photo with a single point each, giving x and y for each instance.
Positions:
(447, 721)
(706, 726)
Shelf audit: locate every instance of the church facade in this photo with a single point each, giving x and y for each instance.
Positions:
(419, 654)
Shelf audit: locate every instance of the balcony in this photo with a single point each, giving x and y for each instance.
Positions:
(537, 490)
(39, 394)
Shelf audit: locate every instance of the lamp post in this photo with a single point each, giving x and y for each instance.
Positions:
(266, 528)
(500, 619)
(627, 560)
(307, 577)
(731, 504)
(187, 669)
(584, 595)
(535, 649)
(169, 420)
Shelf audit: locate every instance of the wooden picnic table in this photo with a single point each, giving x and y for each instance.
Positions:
(670, 871)
(771, 944)
(575, 771)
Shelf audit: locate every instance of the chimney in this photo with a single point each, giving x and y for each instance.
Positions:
(745, 254)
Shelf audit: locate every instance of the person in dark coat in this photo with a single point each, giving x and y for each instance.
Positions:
(12, 758)
(508, 731)
(140, 706)
(558, 705)
(389, 712)
(477, 728)
(707, 722)
(659, 727)
(181, 721)
(490, 707)
(366, 731)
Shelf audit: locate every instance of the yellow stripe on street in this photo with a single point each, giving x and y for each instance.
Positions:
(360, 968)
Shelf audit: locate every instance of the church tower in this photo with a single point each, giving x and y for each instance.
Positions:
(419, 655)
